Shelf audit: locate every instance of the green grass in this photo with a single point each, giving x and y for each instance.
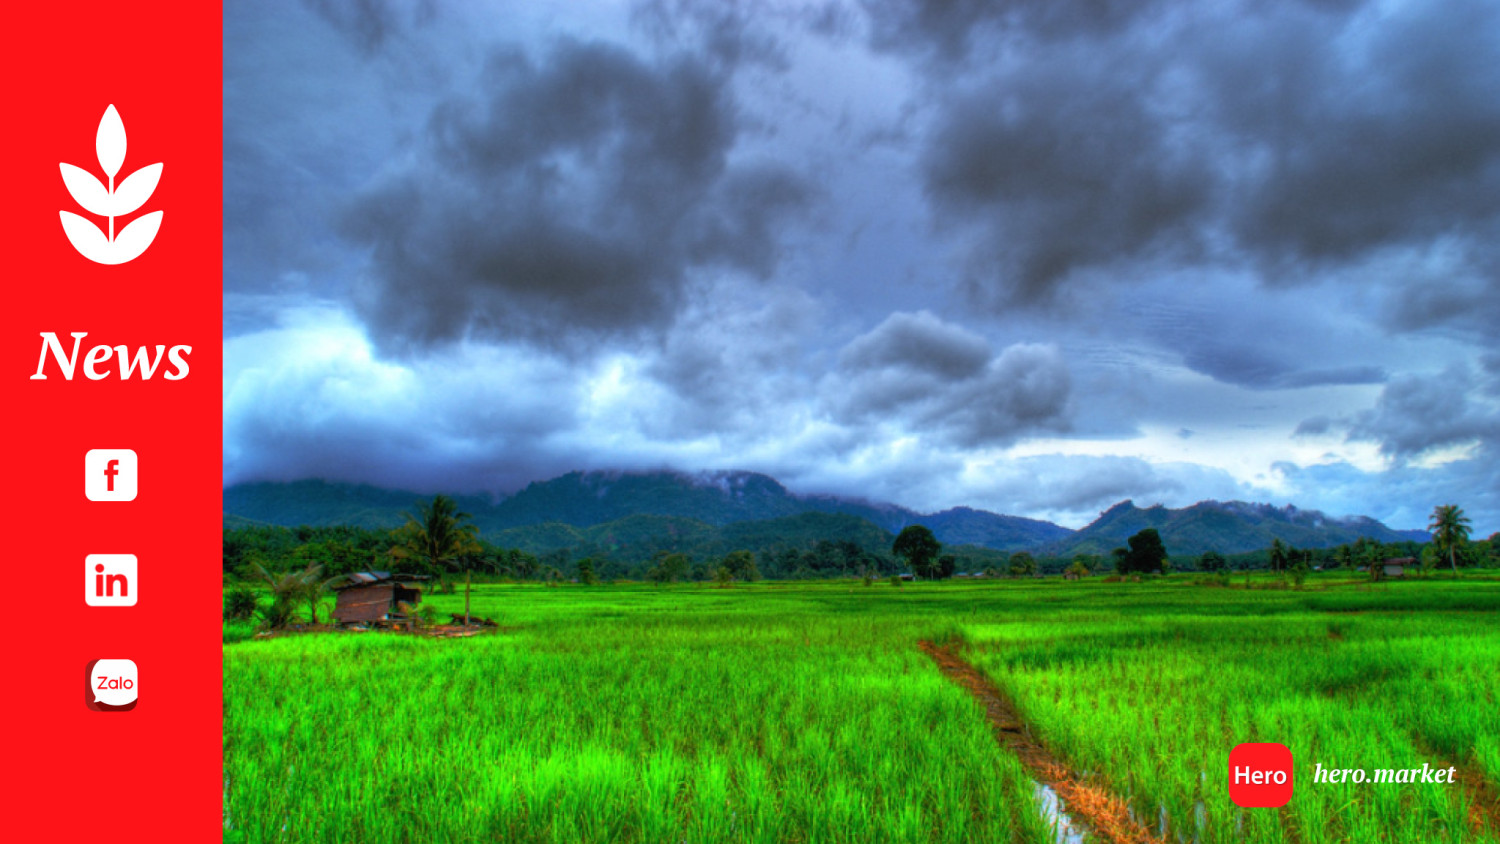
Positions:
(804, 712)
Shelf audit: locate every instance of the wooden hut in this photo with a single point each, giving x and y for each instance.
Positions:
(1397, 566)
(375, 598)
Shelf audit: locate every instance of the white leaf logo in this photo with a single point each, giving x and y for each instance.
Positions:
(109, 201)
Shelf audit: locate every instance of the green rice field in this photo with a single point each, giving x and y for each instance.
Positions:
(805, 712)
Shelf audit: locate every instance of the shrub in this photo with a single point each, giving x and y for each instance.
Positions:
(278, 614)
(239, 603)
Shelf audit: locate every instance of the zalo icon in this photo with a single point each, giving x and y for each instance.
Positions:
(113, 685)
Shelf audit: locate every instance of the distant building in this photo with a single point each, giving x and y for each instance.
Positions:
(1397, 566)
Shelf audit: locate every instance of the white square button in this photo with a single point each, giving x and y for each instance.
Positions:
(109, 474)
(110, 580)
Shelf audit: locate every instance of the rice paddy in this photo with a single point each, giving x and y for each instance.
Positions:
(806, 713)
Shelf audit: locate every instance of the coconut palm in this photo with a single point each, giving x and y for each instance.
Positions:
(440, 536)
(1450, 529)
(1279, 555)
(289, 587)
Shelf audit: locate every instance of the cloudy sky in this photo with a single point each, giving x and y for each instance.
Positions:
(1034, 256)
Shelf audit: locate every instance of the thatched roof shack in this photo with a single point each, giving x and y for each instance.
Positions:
(374, 597)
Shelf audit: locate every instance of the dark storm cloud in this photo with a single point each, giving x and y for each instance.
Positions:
(1455, 297)
(1300, 139)
(934, 378)
(727, 31)
(369, 24)
(1061, 165)
(1365, 136)
(921, 341)
(454, 267)
(948, 29)
(574, 195)
(1418, 413)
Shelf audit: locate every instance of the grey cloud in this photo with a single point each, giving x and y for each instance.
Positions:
(1404, 495)
(1418, 413)
(1337, 376)
(1456, 298)
(1489, 365)
(1078, 487)
(938, 379)
(1301, 140)
(1264, 369)
(1313, 426)
(369, 24)
(948, 29)
(1393, 137)
(920, 341)
(575, 195)
(730, 370)
(1061, 165)
(728, 31)
(446, 425)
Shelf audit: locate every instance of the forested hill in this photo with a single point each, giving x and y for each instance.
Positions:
(562, 511)
(587, 499)
(1229, 527)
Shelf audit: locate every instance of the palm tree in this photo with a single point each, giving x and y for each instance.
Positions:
(440, 536)
(1278, 555)
(1450, 529)
(288, 587)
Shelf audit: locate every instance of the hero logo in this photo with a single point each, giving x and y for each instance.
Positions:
(111, 202)
(142, 361)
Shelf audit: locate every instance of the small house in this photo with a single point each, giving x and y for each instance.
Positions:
(375, 597)
(1397, 566)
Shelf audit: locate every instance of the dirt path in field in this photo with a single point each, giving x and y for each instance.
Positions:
(1484, 798)
(1105, 813)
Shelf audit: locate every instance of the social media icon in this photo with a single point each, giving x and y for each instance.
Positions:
(113, 685)
(1260, 775)
(109, 474)
(110, 580)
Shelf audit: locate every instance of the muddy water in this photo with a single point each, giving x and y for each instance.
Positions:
(1065, 829)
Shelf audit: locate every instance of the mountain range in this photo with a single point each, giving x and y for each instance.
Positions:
(613, 508)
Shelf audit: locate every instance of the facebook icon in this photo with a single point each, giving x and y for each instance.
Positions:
(109, 474)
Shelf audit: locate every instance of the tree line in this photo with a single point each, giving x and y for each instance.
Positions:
(341, 550)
